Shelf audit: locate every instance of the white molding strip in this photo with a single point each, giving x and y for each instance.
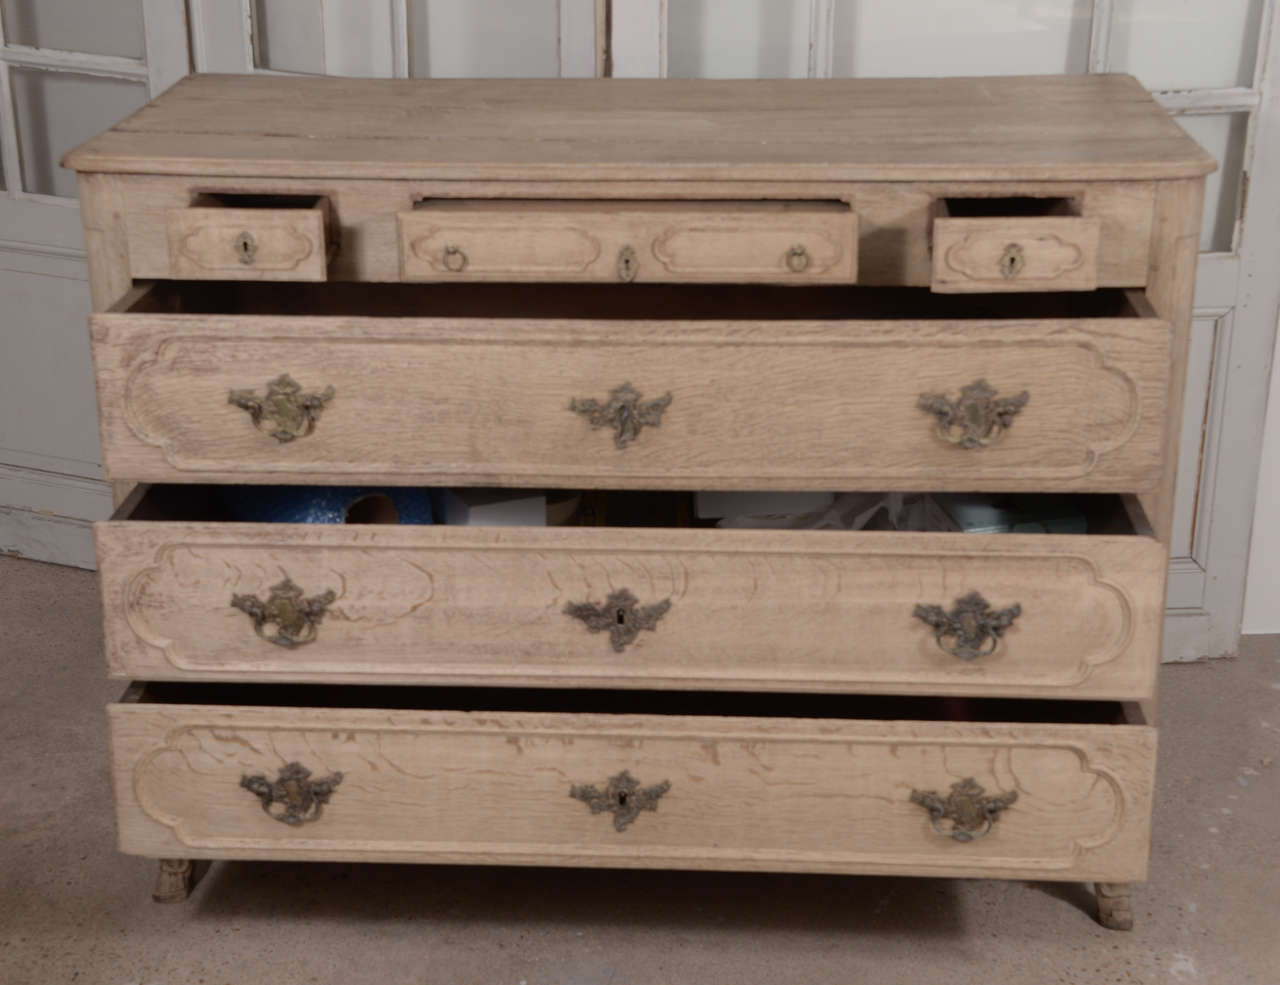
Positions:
(639, 41)
(1199, 102)
(54, 493)
(1100, 35)
(167, 43)
(106, 66)
(821, 38)
(400, 39)
(577, 38)
(53, 539)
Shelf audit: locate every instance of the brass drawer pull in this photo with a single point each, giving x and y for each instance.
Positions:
(967, 807)
(624, 411)
(245, 246)
(454, 259)
(628, 265)
(978, 418)
(622, 797)
(292, 797)
(296, 618)
(797, 259)
(1012, 260)
(973, 627)
(621, 615)
(285, 412)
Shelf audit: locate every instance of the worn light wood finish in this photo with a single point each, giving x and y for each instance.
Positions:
(207, 242)
(780, 794)
(1051, 253)
(1084, 127)
(755, 405)
(726, 242)
(750, 610)
(894, 218)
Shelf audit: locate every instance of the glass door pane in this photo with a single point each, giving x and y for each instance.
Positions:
(484, 38)
(1186, 44)
(100, 27)
(288, 35)
(738, 39)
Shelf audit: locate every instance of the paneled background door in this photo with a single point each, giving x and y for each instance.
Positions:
(1210, 63)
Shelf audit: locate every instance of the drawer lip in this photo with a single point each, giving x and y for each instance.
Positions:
(485, 606)
(1123, 361)
(691, 752)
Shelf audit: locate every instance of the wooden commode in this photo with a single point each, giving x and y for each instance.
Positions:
(631, 291)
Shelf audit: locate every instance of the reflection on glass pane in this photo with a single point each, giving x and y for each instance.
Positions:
(478, 38)
(103, 27)
(738, 39)
(943, 37)
(1186, 44)
(1224, 137)
(58, 110)
(288, 35)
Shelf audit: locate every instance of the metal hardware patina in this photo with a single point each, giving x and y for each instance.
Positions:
(285, 412)
(624, 411)
(622, 797)
(972, 626)
(292, 797)
(967, 807)
(455, 259)
(1012, 260)
(797, 259)
(621, 615)
(978, 418)
(245, 246)
(628, 265)
(296, 618)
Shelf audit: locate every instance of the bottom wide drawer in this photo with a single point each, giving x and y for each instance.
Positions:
(747, 783)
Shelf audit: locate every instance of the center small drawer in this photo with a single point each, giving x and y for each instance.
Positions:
(776, 242)
(188, 595)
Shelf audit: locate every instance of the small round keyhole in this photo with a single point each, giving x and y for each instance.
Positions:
(622, 800)
(621, 616)
(245, 248)
(1012, 261)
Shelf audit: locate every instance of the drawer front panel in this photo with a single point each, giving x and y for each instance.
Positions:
(248, 244)
(1005, 405)
(734, 793)
(719, 609)
(762, 242)
(1039, 254)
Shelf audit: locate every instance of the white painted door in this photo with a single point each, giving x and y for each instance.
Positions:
(67, 70)
(1211, 64)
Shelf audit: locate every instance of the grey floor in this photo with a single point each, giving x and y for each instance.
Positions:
(73, 910)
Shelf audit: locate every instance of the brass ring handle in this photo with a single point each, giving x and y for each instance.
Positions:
(296, 618)
(245, 247)
(623, 797)
(292, 797)
(621, 615)
(797, 259)
(454, 259)
(285, 412)
(970, 811)
(978, 418)
(1012, 260)
(628, 265)
(972, 626)
(624, 411)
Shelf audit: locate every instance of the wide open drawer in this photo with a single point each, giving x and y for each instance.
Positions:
(378, 775)
(1063, 615)
(634, 387)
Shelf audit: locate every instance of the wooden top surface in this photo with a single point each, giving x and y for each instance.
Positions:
(1011, 128)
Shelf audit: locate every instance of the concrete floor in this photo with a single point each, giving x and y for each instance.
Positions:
(73, 910)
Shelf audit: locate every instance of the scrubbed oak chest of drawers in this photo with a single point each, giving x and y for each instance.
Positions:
(637, 290)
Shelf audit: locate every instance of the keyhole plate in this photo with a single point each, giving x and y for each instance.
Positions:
(1012, 260)
(245, 247)
(627, 265)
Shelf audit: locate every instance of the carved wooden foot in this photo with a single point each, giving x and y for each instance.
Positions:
(173, 882)
(1115, 905)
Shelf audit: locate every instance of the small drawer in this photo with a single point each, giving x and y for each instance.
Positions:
(189, 596)
(731, 242)
(1013, 244)
(251, 237)
(590, 779)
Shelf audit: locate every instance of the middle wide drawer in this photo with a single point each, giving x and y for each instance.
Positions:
(1077, 615)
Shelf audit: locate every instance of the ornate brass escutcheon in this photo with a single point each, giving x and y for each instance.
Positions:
(296, 618)
(622, 797)
(454, 259)
(245, 246)
(797, 259)
(978, 418)
(972, 626)
(1012, 260)
(628, 265)
(285, 412)
(292, 797)
(968, 808)
(624, 411)
(621, 615)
